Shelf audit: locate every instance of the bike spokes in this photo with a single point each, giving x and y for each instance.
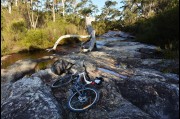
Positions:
(85, 100)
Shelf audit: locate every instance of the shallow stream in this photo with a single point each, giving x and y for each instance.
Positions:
(61, 50)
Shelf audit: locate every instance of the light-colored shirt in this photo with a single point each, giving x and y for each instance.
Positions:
(90, 44)
(89, 20)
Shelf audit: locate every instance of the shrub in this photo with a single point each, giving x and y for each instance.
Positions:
(35, 38)
(18, 26)
(160, 30)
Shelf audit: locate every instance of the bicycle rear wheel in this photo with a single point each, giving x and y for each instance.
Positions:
(61, 82)
(87, 99)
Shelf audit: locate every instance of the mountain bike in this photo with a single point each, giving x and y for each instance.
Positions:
(83, 95)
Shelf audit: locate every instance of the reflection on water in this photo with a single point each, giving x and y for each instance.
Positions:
(12, 58)
(44, 65)
(20, 56)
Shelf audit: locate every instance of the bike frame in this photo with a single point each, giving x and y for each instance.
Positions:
(81, 75)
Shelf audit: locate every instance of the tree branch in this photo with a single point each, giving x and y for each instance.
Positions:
(66, 36)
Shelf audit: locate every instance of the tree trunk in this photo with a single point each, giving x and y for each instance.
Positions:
(63, 7)
(53, 11)
(16, 3)
(66, 36)
(9, 7)
(33, 22)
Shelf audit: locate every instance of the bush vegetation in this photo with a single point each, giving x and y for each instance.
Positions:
(161, 30)
(22, 38)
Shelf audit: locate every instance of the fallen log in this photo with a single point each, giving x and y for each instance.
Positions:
(67, 36)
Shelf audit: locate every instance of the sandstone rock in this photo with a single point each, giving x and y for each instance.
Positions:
(31, 99)
(18, 70)
(151, 92)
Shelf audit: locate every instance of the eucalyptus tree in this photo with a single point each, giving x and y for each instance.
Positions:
(162, 5)
(93, 7)
(16, 3)
(48, 5)
(70, 6)
(10, 3)
(85, 7)
(52, 6)
(79, 6)
(53, 10)
(109, 12)
(146, 8)
(63, 5)
(130, 10)
(32, 7)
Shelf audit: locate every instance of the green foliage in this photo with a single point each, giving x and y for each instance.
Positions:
(109, 3)
(2, 22)
(169, 54)
(109, 12)
(161, 30)
(5, 48)
(35, 38)
(100, 27)
(18, 26)
(85, 11)
(104, 26)
(43, 38)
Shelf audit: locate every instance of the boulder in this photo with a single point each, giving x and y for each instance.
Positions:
(21, 68)
(152, 92)
(30, 98)
(18, 70)
(118, 34)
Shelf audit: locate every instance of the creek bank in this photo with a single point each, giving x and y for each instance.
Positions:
(141, 90)
(20, 68)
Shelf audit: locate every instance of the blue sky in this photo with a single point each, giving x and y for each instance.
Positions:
(100, 3)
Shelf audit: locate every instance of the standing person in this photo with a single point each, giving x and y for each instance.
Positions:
(90, 44)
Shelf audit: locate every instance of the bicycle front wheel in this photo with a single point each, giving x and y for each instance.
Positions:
(61, 82)
(86, 99)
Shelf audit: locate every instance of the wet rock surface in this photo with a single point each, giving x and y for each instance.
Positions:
(138, 83)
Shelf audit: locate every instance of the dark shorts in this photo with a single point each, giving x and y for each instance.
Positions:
(89, 29)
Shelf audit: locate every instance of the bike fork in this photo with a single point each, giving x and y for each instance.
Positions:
(80, 93)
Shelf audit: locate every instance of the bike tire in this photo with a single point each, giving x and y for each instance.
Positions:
(92, 95)
(61, 82)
